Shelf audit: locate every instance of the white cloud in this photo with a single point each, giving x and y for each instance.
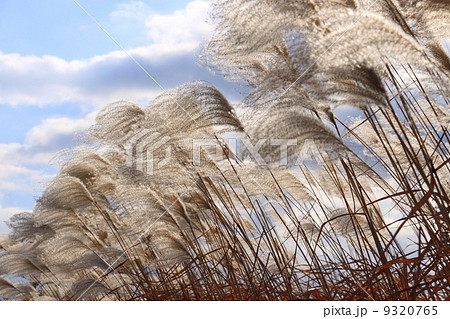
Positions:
(5, 214)
(11, 170)
(134, 10)
(41, 143)
(186, 27)
(24, 166)
(51, 130)
(24, 183)
(8, 186)
(47, 80)
(33, 80)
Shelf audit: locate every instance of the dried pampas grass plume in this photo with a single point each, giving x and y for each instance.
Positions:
(308, 204)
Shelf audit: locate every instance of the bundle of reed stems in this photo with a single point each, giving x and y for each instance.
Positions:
(365, 216)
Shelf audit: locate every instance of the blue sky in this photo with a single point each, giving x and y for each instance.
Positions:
(58, 67)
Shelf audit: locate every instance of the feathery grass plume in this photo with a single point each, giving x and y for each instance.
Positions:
(88, 289)
(356, 85)
(353, 210)
(192, 107)
(429, 17)
(22, 264)
(363, 39)
(267, 23)
(116, 121)
(25, 227)
(66, 192)
(16, 291)
(297, 131)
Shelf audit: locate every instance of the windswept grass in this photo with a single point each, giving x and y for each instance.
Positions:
(364, 216)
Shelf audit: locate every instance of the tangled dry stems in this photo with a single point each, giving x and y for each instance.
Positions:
(366, 219)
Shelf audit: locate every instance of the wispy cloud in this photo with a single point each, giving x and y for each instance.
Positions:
(186, 27)
(41, 143)
(5, 214)
(49, 80)
(131, 12)
(169, 57)
(24, 164)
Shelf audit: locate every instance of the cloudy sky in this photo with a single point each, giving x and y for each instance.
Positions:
(61, 60)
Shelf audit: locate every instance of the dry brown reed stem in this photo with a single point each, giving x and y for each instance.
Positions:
(367, 218)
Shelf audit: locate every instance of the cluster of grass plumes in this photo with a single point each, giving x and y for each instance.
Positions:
(364, 217)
